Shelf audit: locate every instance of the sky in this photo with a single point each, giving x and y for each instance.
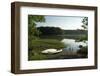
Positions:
(64, 22)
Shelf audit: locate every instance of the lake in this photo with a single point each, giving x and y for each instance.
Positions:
(72, 45)
(70, 41)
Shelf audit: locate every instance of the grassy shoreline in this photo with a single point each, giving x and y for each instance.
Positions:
(38, 45)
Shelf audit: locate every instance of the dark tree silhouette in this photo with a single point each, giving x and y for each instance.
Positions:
(85, 23)
(50, 30)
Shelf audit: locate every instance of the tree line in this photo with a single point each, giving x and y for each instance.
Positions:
(50, 30)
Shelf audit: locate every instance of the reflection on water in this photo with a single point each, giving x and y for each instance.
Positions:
(69, 40)
(72, 45)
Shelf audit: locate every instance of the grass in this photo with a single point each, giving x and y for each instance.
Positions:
(42, 44)
(38, 45)
(36, 56)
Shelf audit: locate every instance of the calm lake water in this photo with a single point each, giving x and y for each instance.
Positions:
(70, 42)
(72, 45)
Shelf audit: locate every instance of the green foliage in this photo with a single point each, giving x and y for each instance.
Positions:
(33, 33)
(35, 18)
(85, 23)
(32, 20)
(85, 27)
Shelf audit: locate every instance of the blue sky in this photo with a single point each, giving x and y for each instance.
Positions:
(64, 22)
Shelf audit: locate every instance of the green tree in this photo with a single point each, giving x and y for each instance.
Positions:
(85, 23)
(85, 28)
(32, 30)
(33, 33)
